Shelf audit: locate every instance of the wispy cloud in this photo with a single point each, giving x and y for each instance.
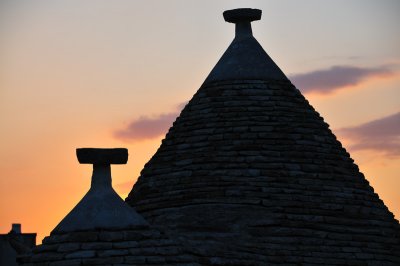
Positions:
(146, 127)
(320, 81)
(382, 135)
(326, 81)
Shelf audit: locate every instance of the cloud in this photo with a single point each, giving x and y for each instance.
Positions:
(329, 80)
(148, 127)
(382, 135)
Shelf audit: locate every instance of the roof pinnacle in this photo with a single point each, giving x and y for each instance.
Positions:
(101, 208)
(101, 160)
(242, 17)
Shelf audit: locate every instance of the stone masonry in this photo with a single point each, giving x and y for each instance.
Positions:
(140, 246)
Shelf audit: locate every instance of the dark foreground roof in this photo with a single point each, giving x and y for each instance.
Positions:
(250, 174)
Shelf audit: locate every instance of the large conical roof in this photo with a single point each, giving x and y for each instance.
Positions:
(250, 174)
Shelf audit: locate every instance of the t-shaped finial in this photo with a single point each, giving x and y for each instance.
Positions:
(101, 208)
(242, 18)
(101, 160)
(102, 156)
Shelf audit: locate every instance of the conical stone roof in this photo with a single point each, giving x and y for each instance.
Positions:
(250, 174)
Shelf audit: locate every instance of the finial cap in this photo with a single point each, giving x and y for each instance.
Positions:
(102, 156)
(242, 15)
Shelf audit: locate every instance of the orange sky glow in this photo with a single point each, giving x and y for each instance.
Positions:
(78, 73)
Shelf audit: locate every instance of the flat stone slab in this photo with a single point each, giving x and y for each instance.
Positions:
(102, 156)
(242, 15)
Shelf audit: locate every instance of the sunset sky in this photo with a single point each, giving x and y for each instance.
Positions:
(99, 73)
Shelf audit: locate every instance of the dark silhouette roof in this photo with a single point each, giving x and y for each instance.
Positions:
(250, 174)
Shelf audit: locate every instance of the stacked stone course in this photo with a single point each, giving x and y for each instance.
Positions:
(140, 246)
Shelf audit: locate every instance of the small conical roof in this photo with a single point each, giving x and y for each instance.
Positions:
(250, 174)
(101, 207)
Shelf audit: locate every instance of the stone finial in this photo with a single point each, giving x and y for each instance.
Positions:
(101, 208)
(244, 59)
(242, 17)
(102, 156)
(101, 160)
